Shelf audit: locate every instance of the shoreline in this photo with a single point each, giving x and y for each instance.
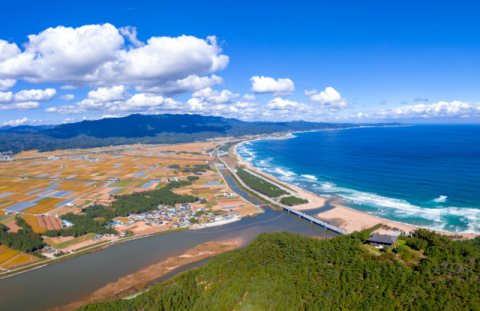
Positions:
(344, 217)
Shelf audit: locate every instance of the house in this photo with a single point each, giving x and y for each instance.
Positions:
(384, 240)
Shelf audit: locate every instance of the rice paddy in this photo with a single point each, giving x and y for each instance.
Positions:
(6, 254)
(43, 188)
(33, 222)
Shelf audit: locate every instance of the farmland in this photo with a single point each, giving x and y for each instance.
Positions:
(54, 190)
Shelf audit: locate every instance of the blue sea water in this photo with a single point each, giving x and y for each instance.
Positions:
(421, 175)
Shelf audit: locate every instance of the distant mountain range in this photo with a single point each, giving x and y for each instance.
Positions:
(25, 128)
(160, 129)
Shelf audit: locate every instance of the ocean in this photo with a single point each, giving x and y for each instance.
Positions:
(427, 176)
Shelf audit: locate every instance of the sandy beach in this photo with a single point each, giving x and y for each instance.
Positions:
(341, 216)
(315, 201)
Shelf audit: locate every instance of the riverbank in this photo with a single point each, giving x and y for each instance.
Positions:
(138, 281)
(341, 216)
(85, 250)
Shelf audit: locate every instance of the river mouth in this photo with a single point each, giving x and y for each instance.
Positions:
(75, 279)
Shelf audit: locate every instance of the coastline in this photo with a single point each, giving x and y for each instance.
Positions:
(341, 216)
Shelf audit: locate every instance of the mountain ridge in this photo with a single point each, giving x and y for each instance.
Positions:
(149, 129)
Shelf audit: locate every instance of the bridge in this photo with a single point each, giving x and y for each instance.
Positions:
(314, 220)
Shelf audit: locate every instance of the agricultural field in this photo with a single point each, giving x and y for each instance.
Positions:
(40, 187)
(50, 183)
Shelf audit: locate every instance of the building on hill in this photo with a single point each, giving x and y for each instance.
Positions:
(384, 240)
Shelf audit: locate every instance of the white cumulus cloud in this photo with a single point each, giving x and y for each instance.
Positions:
(455, 109)
(20, 106)
(191, 83)
(215, 97)
(249, 97)
(269, 85)
(35, 95)
(131, 34)
(287, 105)
(6, 97)
(5, 84)
(310, 93)
(97, 55)
(108, 94)
(23, 121)
(27, 96)
(330, 99)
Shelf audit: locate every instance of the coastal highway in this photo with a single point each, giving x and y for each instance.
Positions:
(266, 198)
(285, 207)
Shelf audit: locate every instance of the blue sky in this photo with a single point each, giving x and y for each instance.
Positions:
(379, 61)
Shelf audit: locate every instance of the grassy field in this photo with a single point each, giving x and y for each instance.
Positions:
(142, 183)
(210, 205)
(121, 184)
(5, 202)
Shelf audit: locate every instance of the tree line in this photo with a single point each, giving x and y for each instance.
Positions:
(24, 239)
(291, 200)
(259, 184)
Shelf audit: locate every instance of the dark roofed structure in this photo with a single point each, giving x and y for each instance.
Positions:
(378, 239)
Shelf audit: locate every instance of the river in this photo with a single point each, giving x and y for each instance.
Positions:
(74, 279)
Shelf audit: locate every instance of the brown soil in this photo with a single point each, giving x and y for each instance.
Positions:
(138, 281)
(50, 223)
(12, 226)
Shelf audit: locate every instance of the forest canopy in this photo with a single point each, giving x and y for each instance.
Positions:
(286, 271)
(259, 184)
(291, 200)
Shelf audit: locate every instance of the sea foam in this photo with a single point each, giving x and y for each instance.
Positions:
(441, 199)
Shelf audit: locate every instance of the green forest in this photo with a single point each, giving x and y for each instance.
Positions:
(197, 168)
(24, 240)
(83, 224)
(227, 146)
(259, 184)
(287, 271)
(290, 201)
(146, 201)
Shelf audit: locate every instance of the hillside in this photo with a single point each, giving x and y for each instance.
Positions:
(148, 129)
(286, 271)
